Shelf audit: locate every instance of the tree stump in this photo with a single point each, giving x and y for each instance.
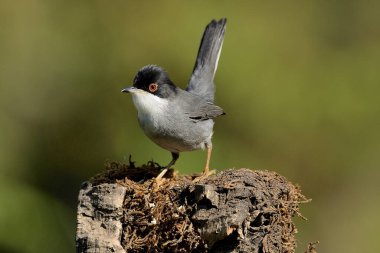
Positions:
(123, 210)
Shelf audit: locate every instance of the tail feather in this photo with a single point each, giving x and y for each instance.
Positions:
(202, 78)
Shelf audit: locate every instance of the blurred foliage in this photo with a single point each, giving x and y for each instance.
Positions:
(299, 81)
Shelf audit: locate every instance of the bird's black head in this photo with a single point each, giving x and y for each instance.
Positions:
(154, 80)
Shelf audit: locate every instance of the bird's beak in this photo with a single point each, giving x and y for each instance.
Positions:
(130, 89)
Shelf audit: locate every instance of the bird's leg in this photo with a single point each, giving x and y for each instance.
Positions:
(206, 170)
(175, 157)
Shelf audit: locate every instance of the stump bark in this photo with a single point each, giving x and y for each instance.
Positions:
(123, 210)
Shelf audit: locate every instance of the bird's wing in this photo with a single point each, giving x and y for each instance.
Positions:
(205, 112)
(198, 109)
(202, 79)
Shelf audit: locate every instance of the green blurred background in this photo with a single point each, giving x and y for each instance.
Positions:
(299, 81)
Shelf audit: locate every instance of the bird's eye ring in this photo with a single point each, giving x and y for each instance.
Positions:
(153, 87)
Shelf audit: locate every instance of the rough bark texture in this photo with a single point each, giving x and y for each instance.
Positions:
(123, 210)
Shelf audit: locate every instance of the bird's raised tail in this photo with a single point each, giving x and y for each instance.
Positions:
(202, 79)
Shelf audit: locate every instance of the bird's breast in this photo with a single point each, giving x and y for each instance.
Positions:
(151, 110)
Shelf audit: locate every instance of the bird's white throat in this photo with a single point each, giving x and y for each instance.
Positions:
(148, 104)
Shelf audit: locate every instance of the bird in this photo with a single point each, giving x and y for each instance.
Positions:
(177, 119)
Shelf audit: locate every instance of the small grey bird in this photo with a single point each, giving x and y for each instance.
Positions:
(175, 119)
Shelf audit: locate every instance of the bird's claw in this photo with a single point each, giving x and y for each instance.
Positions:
(159, 179)
(204, 175)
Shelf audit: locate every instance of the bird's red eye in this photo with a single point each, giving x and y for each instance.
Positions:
(153, 87)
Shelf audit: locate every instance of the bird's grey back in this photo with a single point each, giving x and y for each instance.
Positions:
(202, 79)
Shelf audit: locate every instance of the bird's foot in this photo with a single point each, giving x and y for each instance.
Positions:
(160, 178)
(204, 175)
